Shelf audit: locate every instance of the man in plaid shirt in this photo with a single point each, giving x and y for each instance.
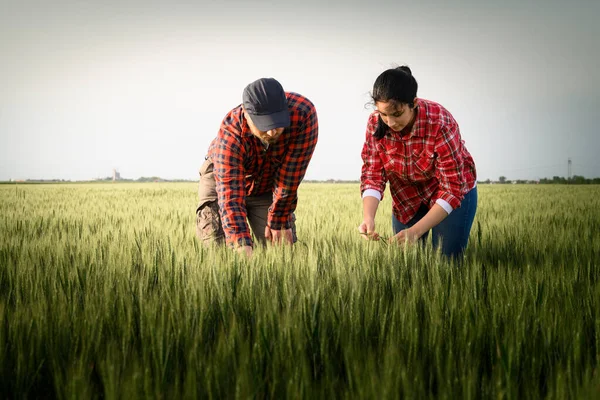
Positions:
(254, 167)
(416, 146)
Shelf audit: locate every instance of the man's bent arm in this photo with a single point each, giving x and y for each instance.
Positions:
(292, 171)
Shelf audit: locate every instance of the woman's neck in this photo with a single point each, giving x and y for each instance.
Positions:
(408, 128)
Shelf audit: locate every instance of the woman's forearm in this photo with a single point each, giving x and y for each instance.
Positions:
(433, 217)
(370, 205)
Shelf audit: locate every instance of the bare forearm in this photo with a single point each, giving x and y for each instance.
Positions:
(370, 205)
(433, 217)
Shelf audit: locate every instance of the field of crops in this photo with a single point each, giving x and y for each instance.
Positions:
(106, 293)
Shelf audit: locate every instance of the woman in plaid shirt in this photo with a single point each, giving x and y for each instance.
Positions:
(415, 145)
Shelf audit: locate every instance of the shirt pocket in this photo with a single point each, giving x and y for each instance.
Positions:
(389, 166)
(389, 159)
(424, 164)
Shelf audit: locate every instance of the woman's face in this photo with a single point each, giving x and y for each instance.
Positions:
(396, 116)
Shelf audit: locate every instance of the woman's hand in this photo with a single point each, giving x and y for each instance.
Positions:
(367, 230)
(409, 235)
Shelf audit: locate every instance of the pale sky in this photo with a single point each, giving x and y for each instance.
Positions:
(142, 86)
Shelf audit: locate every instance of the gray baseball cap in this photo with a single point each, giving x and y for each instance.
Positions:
(265, 101)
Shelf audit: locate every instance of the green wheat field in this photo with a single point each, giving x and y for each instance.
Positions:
(106, 293)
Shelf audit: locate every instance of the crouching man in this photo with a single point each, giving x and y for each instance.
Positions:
(254, 167)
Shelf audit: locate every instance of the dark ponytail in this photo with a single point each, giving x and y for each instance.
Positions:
(404, 68)
(395, 85)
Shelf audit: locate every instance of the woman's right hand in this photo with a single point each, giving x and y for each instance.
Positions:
(367, 230)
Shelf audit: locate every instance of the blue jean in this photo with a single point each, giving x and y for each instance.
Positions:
(453, 232)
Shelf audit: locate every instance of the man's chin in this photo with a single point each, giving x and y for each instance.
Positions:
(271, 140)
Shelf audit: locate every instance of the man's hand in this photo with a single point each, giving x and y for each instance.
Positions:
(367, 230)
(405, 235)
(246, 250)
(283, 236)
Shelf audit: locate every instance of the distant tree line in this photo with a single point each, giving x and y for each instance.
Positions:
(576, 179)
(147, 179)
(330, 181)
(556, 180)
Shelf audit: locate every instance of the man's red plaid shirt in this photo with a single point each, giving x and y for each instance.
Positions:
(428, 164)
(244, 166)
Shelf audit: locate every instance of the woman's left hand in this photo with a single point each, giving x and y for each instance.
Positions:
(406, 235)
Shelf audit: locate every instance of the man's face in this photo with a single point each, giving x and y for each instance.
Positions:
(269, 136)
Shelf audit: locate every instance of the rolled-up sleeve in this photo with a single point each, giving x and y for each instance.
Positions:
(372, 173)
(449, 166)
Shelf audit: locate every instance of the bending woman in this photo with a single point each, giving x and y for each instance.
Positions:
(415, 144)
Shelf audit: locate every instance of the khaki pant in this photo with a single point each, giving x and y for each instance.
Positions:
(209, 228)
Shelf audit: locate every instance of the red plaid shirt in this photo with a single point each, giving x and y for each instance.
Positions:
(430, 163)
(243, 166)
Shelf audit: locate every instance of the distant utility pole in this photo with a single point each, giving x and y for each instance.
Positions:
(569, 169)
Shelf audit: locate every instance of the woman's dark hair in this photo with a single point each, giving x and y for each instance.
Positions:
(395, 85)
